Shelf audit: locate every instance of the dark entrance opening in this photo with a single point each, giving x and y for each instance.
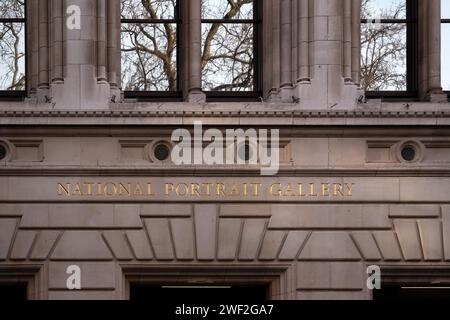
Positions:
(13, 292)
(198, 293)
(411, 293)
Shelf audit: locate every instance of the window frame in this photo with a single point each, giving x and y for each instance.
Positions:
(412, 56)
(18, 95)
(256, 93)
(445, 21)
(148, 95)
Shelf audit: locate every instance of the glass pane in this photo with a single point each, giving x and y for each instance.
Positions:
(383, 57)
(383, 9)
(12, 56)
(227, 57)
(148, 9)
(445, 56)
(149, 57)
(12, 8)
(222, 9)
(445, 9)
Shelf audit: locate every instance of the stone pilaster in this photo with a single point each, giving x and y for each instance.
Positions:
(433, 47)
(195, 93)
(326, 52)
(84, 60)
(38, 57)
(286, 52)
(332, 32)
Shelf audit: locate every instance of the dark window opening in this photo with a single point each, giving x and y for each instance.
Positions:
(13, 292)
(162, 152)
(150, 50)
(198, 293)
(3, 152)
(12, 49)
(230, 49)
(408, 153)
(389, 54)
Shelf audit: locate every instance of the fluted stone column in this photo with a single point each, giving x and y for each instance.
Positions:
(303, 38)
(286, 50)
(38, 55)
(435, 93)
(83, 52)
(113, 48)
(195, 93)
(326, 48)
(356, 41)
(56, 41)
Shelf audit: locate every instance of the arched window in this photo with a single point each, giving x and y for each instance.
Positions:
(445, 44)
(149, 45)
(12, 48)
(389, 48)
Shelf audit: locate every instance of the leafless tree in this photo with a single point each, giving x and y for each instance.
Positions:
(383, 48)
(12, 46)
(149, 59)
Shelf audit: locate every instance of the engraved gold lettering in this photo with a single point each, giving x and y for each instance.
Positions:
(276, 193)
(64, 190)
(325, 189)
(312, 190)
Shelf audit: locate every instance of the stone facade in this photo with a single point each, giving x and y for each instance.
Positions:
(75, 127)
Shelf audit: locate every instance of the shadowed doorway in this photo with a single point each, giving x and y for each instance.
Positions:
(198, 293)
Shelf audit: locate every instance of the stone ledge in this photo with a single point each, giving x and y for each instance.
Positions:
(231, 113)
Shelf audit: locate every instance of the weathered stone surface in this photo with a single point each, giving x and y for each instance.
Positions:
(408, 236)
(329, 246)
(446, 231)
(7, 230)
(205, 220)
(81, 216)
(388, 244)
(271, 245)
(11, 210)
(405, 211)
(252, 233)
(431, 237)
(162, 210)
(139, 244)
(44, 243)
(229, 232)
(35, 216)
(330, 275)
(292, 245)
(81, 245)
(127, 216)
(366, 245)
(117, 242)
(160, 237)
(412, 189)
(329, 216)
(183, 238)
(94, 275)
(242, 210)
(22, 245)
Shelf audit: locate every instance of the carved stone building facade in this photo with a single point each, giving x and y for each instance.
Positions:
(363, 179)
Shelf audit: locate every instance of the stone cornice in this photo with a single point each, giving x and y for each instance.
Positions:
(372, 113)
(157, 171)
